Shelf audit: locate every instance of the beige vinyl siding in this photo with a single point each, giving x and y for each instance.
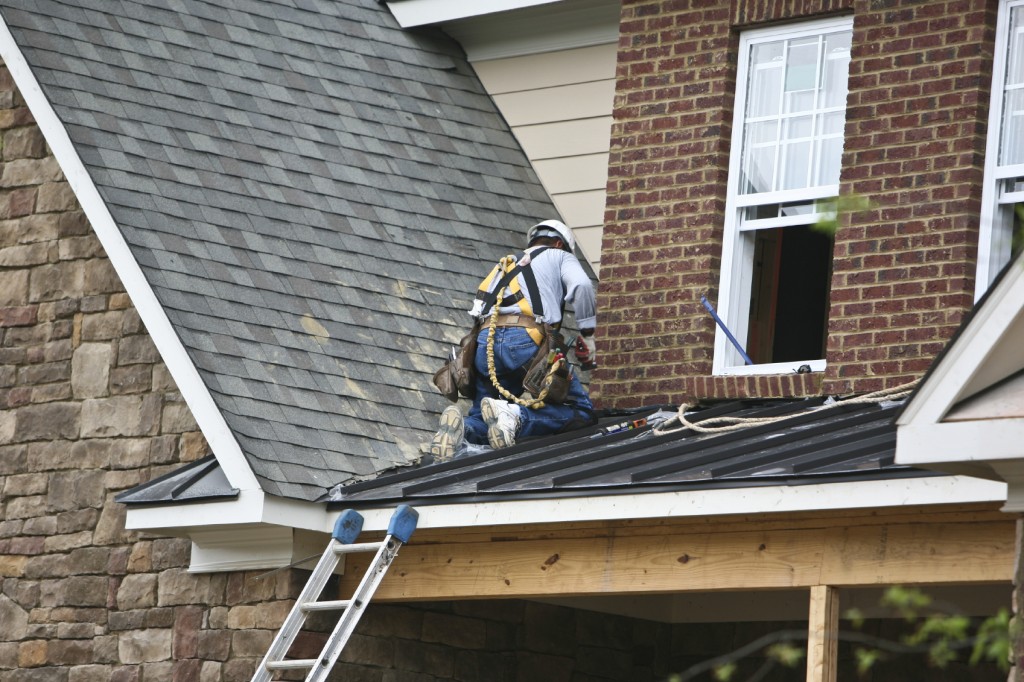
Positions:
(559, 105)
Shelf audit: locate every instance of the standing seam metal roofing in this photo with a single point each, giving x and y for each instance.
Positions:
(313, 194)
(812, 442)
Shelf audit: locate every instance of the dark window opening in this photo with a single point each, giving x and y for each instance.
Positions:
(789, 295)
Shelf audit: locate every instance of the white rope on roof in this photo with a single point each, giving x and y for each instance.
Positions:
(725, 424)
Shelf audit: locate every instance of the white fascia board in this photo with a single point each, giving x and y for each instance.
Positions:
(207, 415)
(410, 13)
(253, 506)
(935, 490)
(984, 442)
(233, 545)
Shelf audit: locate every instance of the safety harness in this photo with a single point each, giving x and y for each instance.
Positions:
(488, 300)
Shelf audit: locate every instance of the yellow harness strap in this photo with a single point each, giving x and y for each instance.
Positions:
(504, 266)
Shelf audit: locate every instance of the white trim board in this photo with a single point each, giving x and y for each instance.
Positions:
(193, 390)
(987, 350)
(225, 537)
(933, 490)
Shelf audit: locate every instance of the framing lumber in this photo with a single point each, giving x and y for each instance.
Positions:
(631, 560)
(823, 634)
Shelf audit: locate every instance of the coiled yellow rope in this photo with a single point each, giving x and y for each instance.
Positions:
(533, 403)
(723, 424)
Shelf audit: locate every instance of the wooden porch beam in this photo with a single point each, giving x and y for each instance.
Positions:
(625, 563)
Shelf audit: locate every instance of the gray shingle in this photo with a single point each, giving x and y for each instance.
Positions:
(280, 173)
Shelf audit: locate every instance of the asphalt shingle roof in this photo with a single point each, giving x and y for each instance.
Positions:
(311, 192)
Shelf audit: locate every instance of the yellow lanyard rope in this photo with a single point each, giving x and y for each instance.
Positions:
(534, 403)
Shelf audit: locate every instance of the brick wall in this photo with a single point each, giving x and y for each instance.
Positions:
(903, 270)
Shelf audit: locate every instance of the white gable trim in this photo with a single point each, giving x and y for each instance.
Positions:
(979, 357)
(193, 390)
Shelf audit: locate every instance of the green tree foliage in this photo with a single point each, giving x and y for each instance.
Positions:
(941, 635)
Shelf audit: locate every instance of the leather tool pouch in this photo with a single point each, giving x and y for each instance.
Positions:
(537, 371)
(457, 375)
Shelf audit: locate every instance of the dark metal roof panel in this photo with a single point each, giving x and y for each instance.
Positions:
(810, 442)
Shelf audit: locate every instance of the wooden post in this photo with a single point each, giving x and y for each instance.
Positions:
(823, 634)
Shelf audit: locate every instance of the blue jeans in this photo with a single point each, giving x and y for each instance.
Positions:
(513, 349)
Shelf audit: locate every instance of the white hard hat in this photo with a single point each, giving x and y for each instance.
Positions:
(552, 228)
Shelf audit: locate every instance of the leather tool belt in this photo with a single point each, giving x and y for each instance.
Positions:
(517, 320)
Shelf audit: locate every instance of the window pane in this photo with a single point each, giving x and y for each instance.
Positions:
(836, 68)
(796, 98)
(796, 165)
(1012, 134)
(802, 65)
(830, 159)
(833, 123)
(763, 96)
(1012, 147)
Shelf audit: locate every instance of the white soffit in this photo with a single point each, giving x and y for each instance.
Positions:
(529, 28)
(173, 353)
(422, 12)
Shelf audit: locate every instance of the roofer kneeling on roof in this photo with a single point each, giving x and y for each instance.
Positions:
(537, 285)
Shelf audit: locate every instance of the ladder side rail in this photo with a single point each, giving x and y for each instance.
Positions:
(360, 599)
(297, 616)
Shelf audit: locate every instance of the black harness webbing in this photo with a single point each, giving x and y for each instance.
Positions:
(531, 285)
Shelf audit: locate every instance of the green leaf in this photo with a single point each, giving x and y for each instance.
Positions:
(786, 654)
(855, 616)
(724, 672)
(866, 658)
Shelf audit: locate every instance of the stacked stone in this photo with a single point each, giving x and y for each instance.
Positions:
(86, 410)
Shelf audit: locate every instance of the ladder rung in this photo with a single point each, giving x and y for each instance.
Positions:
(327, 605)
(356, 547)
(291, 664)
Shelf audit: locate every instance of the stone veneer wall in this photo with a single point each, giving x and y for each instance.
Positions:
(903, 271)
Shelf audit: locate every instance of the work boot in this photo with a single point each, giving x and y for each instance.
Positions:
(449, 436)
(502, 422)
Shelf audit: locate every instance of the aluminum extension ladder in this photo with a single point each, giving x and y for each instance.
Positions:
(346, 530)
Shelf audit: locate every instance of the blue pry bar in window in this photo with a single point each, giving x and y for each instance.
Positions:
(711, 309)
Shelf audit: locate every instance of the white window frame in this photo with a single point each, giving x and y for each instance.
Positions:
(996, 233)
(737, 251)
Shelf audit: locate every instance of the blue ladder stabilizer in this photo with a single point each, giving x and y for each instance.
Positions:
(403, 522)
(350, 524)
(348, 527)
(711, 309)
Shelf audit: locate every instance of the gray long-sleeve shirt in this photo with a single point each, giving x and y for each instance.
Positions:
(556, 272)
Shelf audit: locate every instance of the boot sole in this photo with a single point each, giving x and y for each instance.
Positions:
(495, 436)
(449, 435)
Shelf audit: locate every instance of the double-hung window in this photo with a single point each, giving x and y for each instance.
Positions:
(787, 145)
(1003, 193)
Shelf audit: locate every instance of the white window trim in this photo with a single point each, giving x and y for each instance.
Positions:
(995, 234)
(736, 274)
